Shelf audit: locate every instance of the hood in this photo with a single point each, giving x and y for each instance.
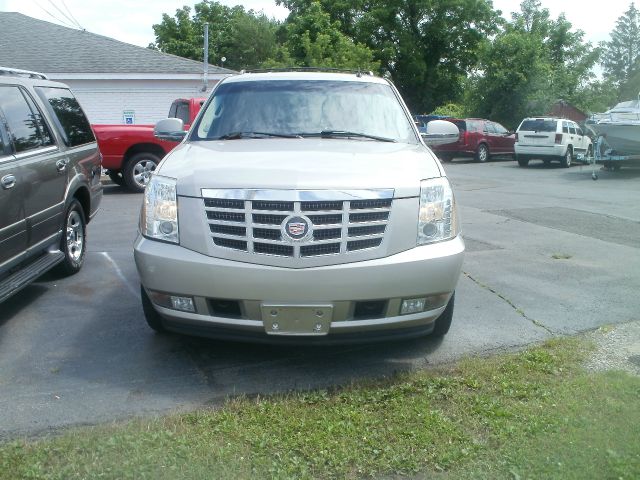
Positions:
(299, 164)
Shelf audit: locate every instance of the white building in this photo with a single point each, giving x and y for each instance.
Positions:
(114, 81)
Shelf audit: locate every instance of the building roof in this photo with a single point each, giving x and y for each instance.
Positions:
(50, 48)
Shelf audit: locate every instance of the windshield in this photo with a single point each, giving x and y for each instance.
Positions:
(276, 108)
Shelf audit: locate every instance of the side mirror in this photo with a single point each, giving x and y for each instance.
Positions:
(440, 132)
(170, 129)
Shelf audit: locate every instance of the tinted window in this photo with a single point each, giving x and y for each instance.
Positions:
(489, 128)
(68, 114)
(25, 125)
(538, 125)
(565, 127)
(462, 125)
(182, 112)
(45, 133)
(293, 107)
(572, 129)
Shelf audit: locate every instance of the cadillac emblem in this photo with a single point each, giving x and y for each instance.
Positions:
(296, 228)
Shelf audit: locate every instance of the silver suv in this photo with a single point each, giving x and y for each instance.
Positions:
(49, 179)
(301, 206)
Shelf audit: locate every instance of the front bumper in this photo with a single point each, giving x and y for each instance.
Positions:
(420, 272)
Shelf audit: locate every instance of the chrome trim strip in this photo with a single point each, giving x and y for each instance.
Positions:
(298, 195)
(36, 151)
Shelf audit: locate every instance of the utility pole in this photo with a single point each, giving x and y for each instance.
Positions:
(205, 78)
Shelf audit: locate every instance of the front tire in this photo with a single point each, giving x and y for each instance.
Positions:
(482, 153)
(443, 322)
(138, 170)
(150, 314)
(74, 240)
(522, 160)
(116, 177)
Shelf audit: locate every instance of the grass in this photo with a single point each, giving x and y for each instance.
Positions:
(535, 414)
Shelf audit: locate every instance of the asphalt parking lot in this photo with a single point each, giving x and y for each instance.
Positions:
(549, 252)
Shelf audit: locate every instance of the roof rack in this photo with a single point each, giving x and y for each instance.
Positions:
(311, 69)
(16, 72)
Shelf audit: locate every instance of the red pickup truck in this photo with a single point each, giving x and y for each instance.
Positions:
(131, 152)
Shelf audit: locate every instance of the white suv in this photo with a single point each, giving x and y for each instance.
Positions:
(550, 139)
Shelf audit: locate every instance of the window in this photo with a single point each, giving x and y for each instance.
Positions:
(68, 114)
(489, 128)
(182, 112)
(538, 125)
(27, 129)
(462, 125)
(298, 107)
(500, 130)
(572, 128)
(565, 127)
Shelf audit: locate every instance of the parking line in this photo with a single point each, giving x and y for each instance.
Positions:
(131, 288)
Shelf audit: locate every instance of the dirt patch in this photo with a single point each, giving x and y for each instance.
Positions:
(618, 348)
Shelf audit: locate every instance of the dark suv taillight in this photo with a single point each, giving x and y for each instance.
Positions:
(516, 136)
(558, 138)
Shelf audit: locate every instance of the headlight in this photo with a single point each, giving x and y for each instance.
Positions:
(438, 219)
(159, 216)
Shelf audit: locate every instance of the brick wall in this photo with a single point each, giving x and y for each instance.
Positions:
(104, 101)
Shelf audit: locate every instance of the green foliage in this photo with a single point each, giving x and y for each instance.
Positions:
(530, 64)
(428, 46)
(454, 110)
(621, 59)
(245, 38)
(314, 40)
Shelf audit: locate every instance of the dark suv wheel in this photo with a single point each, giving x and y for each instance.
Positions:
(443, 323)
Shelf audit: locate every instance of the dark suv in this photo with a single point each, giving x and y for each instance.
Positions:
(479, 138)
(50, 187)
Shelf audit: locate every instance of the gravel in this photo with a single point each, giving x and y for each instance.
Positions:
(618, 348)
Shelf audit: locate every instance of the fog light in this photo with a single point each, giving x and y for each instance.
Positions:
(430, 230)
(413, 305)
(166, 228)
(184, 304)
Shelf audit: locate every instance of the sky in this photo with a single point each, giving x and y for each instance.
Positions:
(131, 20)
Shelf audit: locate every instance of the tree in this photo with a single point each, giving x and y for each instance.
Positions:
(530, 64)
(621, 59)
(245, 38)
(427, 46)
(314, 40)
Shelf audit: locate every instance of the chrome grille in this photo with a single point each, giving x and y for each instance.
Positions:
(254, 225)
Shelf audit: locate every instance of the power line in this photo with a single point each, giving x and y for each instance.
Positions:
(54, 17)
(62, 13)
(74, 18)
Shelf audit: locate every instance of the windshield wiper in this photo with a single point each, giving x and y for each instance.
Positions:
(239, 135)
(344, 133)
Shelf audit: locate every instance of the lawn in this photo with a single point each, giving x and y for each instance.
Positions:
(533, 414)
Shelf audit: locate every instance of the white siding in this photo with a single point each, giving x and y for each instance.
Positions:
(104, 101)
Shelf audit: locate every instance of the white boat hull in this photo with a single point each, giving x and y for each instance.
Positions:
(621, 137)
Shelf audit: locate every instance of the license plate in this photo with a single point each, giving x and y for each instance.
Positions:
(297, 319)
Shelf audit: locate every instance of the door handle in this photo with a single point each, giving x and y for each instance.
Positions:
(61, 165)
(8, 181)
